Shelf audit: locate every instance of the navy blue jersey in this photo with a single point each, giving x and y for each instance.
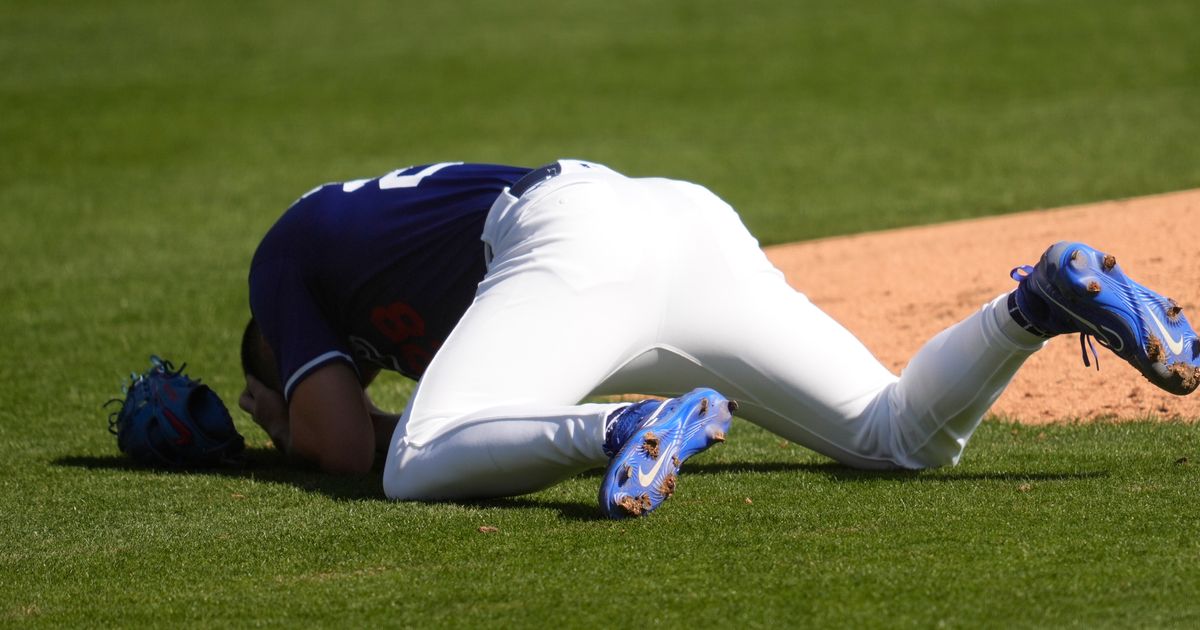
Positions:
(375, 271)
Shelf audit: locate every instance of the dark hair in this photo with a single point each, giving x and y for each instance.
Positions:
(257, 359)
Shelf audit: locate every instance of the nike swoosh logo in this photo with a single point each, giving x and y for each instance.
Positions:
(185, 434)
(1108, 340)
(644, 478)
(1176, 345)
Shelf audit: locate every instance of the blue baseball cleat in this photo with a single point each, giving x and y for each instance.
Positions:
(1075, 288)
(659, 437)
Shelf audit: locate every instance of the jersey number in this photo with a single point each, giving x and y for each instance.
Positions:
(396, 180)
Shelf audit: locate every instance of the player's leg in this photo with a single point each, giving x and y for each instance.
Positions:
(802, 375)
(855, 413)
(797, 372)
(497, 411)
(561, 307)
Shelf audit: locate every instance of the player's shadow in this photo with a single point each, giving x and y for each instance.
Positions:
(259, 464)
(268, 465)
(567, 510)
(842, 473)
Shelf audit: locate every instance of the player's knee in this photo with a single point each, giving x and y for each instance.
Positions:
(400, 487)
(419, 473)
(402, 478)
(941, 449)
(914, 439)
(894, 446)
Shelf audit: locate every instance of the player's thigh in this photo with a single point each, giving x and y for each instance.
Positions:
(801, 374)
(557, 313)
(546, 347)
(796, 371)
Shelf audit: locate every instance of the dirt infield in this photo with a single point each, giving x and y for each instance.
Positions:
(897, 288)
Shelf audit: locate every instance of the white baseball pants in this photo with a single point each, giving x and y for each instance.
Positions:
(604, 284)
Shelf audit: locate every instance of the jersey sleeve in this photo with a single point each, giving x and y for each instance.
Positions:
(291, 320)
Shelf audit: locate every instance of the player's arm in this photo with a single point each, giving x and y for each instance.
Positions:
(384, 423)
(329, 421)
(268, 409)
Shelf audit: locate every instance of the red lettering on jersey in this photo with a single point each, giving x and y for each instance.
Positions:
(415, 357)
(397, 321)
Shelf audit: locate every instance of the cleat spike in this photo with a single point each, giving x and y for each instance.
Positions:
(718, 436)
(1109, 262)
(703, 406)
(667, 487)
(634, 506)
(650, 445)
(1173, 311)
(1093, 287)
(1154, 350)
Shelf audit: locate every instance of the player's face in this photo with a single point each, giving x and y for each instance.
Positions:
(265, 405)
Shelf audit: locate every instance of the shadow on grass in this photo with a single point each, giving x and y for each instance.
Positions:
(259, 464)
(270, 466)
(570, 511)
(838, 472)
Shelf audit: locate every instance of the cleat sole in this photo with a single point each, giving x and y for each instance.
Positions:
(645, 472)
(1092, 295)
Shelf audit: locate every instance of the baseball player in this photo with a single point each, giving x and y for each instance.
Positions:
(512, 294)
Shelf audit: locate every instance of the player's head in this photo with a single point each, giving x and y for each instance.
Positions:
(257, 359)
(263, 396)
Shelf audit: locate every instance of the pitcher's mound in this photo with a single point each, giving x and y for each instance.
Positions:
(896, 289)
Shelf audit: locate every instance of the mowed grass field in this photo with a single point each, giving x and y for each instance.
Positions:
(145, 147)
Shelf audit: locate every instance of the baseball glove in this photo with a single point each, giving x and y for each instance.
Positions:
(169, 420)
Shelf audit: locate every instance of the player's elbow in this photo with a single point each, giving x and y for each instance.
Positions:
(347, 462)
(345, 454)
(330, 424)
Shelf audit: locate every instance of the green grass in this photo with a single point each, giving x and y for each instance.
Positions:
(146, 146)
(1088, 525)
